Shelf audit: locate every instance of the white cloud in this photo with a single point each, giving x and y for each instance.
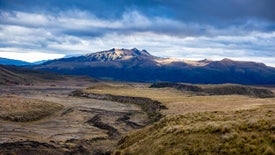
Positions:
(31, 36)
(30, 56)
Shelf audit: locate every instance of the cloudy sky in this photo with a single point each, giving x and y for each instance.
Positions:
(34, 30)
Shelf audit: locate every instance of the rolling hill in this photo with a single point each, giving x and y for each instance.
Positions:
(19, 75)
(9, 77)
(140, 66)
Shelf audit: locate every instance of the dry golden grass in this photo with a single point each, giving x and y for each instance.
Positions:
(179, 102)
(232, 132)
(20, 109)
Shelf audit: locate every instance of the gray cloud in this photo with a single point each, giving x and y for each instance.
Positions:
(81, 23)
(212, 11)
(221, 11)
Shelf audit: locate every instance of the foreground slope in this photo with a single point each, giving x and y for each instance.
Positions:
(231, 132)
(141, 66)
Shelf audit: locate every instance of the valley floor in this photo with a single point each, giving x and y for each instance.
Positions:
(89, 125)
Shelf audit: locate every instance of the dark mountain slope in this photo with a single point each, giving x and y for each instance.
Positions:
(242, 72)
(136, 65)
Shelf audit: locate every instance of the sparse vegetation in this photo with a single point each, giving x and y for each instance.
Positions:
(232, 132)
(20, 109)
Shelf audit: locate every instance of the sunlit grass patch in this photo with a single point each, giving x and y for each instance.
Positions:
(14, 108)
(241, 132)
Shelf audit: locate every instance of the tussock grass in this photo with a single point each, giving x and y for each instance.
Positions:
(18, 109)
(235, 132)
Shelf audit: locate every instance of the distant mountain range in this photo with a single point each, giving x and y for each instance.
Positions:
(140, 66)
(5, 61)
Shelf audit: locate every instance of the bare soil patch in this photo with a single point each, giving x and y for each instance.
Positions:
(80, 126)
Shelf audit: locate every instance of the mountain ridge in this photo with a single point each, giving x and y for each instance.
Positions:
(140, 66)
(117, 54)
(7, 61)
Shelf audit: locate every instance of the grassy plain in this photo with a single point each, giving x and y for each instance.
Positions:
(179, 102)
